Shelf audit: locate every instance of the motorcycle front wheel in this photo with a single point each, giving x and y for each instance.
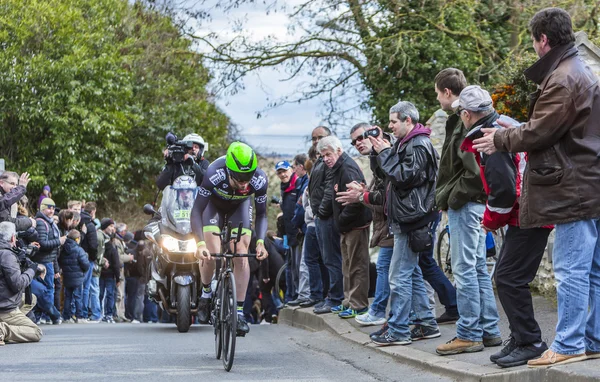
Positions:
(184, 315)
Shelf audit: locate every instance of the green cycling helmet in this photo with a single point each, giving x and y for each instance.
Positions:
(241, 161)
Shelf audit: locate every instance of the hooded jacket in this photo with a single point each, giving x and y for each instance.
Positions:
(562, 141)
(74, 264)
(89, 241)
(410, 169)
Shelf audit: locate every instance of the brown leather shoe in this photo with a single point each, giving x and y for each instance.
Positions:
(592, 354)
(457, 346)
(551, 358)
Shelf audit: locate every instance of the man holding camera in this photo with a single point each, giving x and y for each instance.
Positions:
(14, 325)
(410, 169)
(192, 163)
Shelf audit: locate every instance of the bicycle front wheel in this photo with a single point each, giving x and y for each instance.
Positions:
(228, 319)
(216, 320)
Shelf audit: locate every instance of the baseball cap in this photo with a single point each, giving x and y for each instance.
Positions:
(47, 202)
(282, 165)
(473, 98)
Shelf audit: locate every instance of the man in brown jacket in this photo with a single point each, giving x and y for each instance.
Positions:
(561, 182)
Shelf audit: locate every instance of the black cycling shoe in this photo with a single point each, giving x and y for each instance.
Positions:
(242, 326)
(203, 310)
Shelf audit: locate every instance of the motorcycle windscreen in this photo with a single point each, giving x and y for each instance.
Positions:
(176, 208)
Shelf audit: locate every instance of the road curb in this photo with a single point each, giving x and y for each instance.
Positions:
(446, 366)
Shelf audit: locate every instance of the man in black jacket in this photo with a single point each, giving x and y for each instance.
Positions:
(353, 222)
(14, 324)
(328, 236)
(50, 241)
(193, 164)
(410, 168)
(109, 276)
(90, 296)
(12, 189)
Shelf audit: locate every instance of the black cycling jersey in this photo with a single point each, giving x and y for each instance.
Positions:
(216, 192)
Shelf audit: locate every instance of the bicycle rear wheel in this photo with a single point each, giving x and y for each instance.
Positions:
(280, 281)
(443, 251)
(228, 319)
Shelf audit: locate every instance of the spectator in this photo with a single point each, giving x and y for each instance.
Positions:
(75, 264)
(121, 232)
(12, 189)
(91, 282)
(111, 273)
(410, 168)
(460, 193)
(523, 248)
(289, 198)
(45, 194)
(352, 222)
(269, 269)
(328, 236)
(50, 241)
(136, 278)
(14, 324)
(74, 205)
(561, 184)
(373, 198)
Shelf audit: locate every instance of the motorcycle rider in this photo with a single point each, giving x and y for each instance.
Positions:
(193, 164)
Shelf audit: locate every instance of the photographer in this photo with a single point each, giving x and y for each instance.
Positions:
(191, 163)
(14, 278)
(410, 170)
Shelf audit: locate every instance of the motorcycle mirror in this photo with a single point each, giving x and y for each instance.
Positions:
(148, 209)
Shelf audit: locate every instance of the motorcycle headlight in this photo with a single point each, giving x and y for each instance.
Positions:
(189, 245)
(170, 243)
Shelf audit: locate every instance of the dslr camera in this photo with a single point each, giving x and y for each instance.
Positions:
(177, 149)
(371, 133)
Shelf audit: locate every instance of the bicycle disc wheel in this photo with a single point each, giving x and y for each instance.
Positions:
(228, 319)
(215, 316)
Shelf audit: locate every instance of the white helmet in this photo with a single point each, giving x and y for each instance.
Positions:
(195, 138)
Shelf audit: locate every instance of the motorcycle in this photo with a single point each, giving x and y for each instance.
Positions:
(174, 280)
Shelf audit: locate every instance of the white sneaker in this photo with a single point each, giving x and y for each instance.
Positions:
(93, 321)
(135, 322)
(368, 320)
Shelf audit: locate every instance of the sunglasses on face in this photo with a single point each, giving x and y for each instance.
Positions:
(459, 111)
(358, 139)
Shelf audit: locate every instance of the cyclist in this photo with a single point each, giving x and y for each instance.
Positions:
(226, 190)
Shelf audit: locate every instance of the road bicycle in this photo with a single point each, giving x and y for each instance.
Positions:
(224, 300)
(494, 244)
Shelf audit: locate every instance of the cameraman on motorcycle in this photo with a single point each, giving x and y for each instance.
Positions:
(193, 163)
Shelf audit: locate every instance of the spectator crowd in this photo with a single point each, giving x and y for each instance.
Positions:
(492, 172)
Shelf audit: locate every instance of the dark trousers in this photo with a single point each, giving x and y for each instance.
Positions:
(519, 261)
(108, 288)
(329, 243)
(275, 264)
(73, 299)
(434, 275)
(355, 267)
(314, 263)
(131, 288)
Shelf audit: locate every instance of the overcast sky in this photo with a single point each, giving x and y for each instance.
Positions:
(283, 130)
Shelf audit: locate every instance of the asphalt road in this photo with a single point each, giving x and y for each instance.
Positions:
(157, 352)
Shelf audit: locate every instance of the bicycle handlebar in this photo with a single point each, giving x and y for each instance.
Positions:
(221, 255)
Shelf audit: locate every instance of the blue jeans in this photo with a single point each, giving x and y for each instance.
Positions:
(85, 294)
(150, 312)
(73, 299)
(312, 253)
(475, 296)
(329, 242)
(94, 302)
(44, 303)
(108, 288)
(382, 285)
(407, 289)
(577, 272)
